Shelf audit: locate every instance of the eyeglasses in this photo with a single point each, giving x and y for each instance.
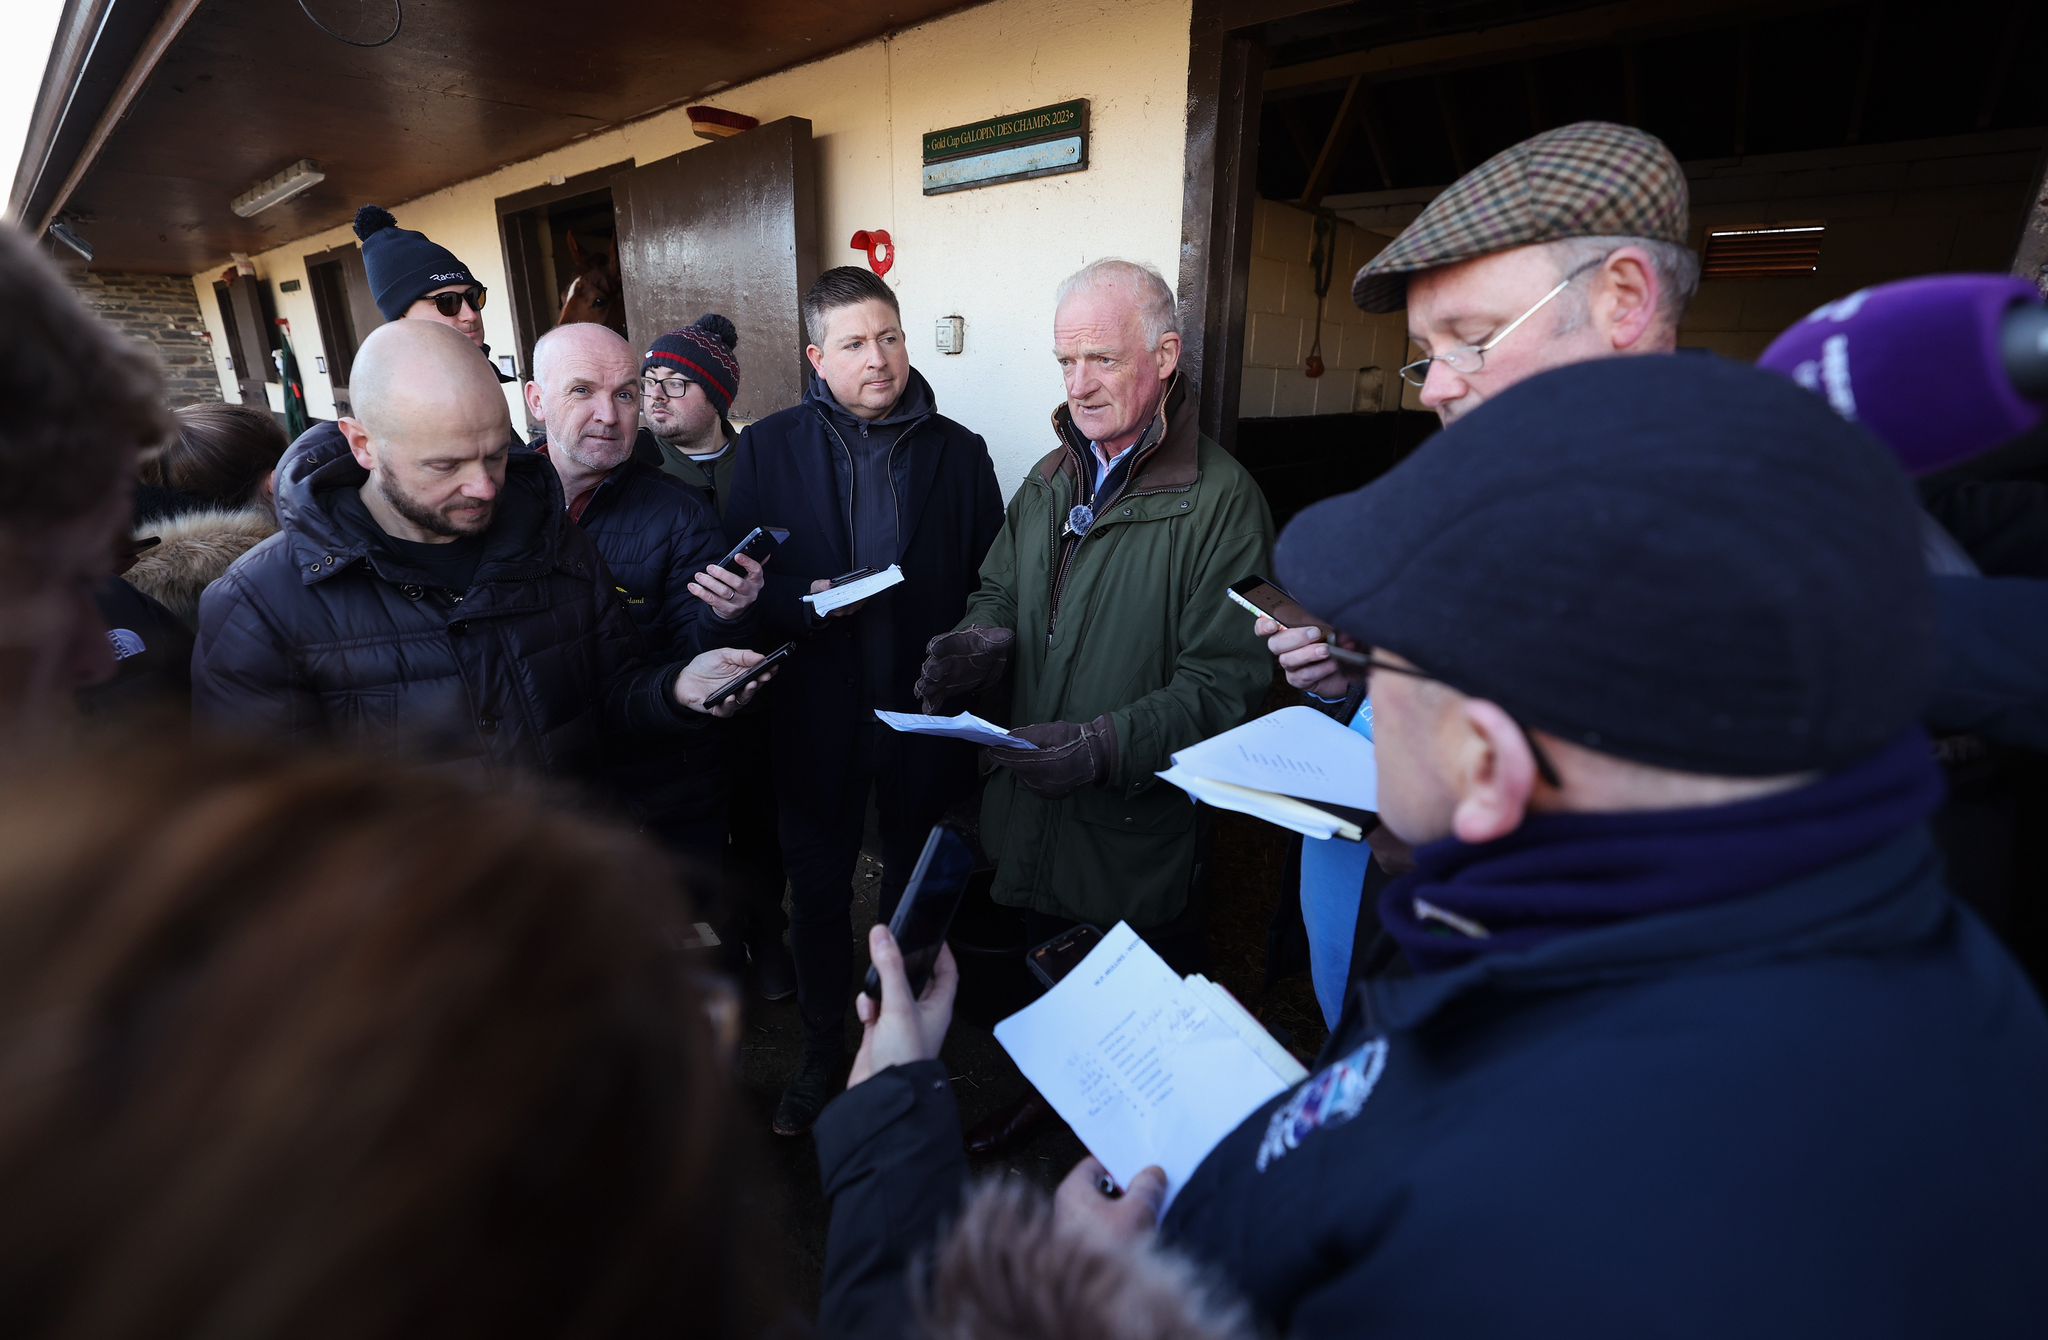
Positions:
(1467, 359)
(664, 388)
(450, 304)
(1368, 663)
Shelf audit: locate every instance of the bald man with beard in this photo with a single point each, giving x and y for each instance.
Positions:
(426, 593)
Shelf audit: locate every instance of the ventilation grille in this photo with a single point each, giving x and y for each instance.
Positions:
(1759, 253)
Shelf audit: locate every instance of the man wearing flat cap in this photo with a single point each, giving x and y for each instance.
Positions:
(1568, 246)
(1694, 1042)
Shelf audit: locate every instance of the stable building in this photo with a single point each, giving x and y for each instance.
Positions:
(199, 162)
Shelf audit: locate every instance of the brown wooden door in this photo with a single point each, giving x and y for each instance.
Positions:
(733, 228)
(244, 310)
(345, 310)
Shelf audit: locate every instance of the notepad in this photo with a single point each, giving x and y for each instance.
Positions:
(1296, 768)
(1148, 1067)
(965, 726)
(852, 593)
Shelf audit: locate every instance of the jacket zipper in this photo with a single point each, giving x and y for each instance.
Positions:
(1067, 550)
(853, 478)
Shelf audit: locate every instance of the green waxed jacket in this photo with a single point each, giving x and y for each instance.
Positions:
(1131, 620)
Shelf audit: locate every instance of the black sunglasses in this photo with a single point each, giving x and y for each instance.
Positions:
(1369, 664)
(450, 304)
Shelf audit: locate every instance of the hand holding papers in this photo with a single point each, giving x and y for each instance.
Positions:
(1296, 768)
(831, 598)
(965, 726)
(1147, 1067)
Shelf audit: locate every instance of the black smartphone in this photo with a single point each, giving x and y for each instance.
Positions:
(929, 901)
(854, 576)
(1261, 596)
(761, 541)
(1063, 953)
(745, 677)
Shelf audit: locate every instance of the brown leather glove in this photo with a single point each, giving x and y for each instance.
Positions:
(956, 664)
(1068, 756)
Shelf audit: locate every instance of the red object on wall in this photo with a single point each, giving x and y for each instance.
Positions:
(881, 251)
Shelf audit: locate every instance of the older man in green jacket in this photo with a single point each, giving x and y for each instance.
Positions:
(1104, 600)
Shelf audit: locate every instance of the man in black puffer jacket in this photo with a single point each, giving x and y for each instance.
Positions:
(662, 543)
(426, 591)
(865, 473)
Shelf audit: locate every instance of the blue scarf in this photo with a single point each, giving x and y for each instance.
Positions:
(1560, 873)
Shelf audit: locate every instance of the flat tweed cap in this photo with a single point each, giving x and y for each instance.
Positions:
(1675, 559)
(1588, 179)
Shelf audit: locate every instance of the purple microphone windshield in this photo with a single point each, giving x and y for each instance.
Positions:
(1919, 363)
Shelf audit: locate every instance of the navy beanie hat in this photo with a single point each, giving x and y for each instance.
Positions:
(1674, 559)
(403, 265)
(703, 352)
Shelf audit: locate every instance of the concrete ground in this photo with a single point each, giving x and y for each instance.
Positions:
(1250, 861)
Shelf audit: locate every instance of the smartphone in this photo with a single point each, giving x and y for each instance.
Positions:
(929, 901)
(748, 676)
(1261, 596)
(1063, 953)
(761, 541)
(854, 576)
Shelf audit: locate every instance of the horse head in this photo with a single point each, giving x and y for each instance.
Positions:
(596, 293)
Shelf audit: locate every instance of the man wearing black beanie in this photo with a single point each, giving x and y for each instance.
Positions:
(412, 276)
(1692, 1042)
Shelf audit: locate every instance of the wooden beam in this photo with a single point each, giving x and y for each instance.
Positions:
(77, 26)
(1598, 26)
(2001, 62)
(1745, 42)
(1334, 145)
(1373, 141)
(1449, 114)
(1860, 99)
(1289, 114)
(168, 25)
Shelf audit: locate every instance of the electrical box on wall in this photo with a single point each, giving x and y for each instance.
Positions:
(950, 334)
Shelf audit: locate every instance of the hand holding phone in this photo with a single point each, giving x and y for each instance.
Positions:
(759, 544)
(738, 683)
(827, 583)
(1263, 596)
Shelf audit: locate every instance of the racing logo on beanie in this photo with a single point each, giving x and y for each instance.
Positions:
(1330, 1097)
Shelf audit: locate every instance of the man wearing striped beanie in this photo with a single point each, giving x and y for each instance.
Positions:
(688, 381)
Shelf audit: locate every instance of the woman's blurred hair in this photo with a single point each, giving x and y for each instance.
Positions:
(316, 1048)
(222, 455)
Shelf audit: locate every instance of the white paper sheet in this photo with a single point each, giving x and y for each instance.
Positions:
(965, 726)
(1138, 1061)
(1296, 751)
(835, 597)
(1297, 816)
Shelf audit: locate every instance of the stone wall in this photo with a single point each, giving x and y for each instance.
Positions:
(160, 311)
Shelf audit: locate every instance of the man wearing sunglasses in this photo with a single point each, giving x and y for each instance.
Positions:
(411, 276)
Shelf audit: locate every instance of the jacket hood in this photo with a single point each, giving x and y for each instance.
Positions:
(917, 402)
(526, 530)
(1009, 1270)
(192, 550)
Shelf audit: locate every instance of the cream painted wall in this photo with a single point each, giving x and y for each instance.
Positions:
(992, 256)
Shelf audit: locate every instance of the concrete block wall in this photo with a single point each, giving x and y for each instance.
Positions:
(161, 312)
(1359, 352)
(1935, 208)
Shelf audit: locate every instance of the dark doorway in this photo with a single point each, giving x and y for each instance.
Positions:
(344, 310)
(249, 317)
(553, 236)
(686, 250)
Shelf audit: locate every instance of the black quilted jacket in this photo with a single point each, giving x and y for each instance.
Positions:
(324, 632)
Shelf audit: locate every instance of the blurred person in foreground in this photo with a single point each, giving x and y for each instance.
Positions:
(1692, 1040)
(426, 1067)
(84, 407)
